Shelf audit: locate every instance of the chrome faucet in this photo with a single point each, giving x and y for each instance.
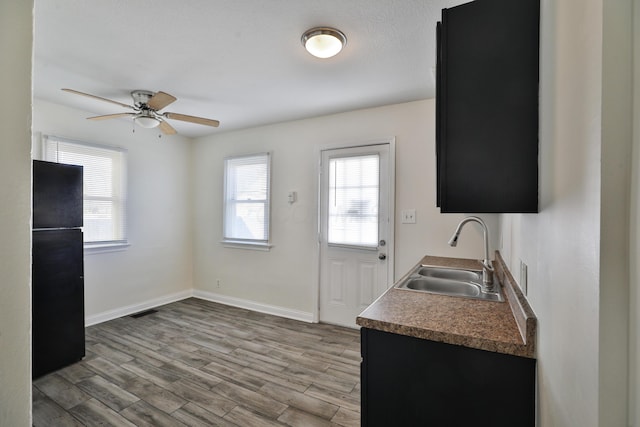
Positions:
(487, 268)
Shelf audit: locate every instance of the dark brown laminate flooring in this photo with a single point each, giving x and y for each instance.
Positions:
(198, 363)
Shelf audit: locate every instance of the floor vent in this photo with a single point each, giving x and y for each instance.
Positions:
(143, 313)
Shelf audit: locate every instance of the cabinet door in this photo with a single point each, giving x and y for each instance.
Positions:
(408, 381)
(487, 120)
(57, 195)
(58, 300)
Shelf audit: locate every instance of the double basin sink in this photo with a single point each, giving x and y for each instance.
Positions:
(449, 281)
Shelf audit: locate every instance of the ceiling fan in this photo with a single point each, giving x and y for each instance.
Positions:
(146, 106)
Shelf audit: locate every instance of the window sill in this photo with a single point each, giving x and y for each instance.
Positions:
(90, 249)
(254, 246)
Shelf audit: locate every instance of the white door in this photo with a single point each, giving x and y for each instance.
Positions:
(354, 231)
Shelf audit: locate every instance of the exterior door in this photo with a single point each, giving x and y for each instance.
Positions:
(354, 227)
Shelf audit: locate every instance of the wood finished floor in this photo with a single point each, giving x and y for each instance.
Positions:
(198, 363)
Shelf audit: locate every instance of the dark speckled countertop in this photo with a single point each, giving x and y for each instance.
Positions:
(507, 327)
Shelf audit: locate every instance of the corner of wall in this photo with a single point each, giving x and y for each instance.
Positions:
(615, 209)
(16, 39)
(634, 244)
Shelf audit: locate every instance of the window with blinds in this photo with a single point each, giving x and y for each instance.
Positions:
(104, 190)
(246, 199)
(354, 184)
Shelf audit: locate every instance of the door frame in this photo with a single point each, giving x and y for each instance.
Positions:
(391, 141)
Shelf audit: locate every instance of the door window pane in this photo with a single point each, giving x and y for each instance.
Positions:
(353, 200)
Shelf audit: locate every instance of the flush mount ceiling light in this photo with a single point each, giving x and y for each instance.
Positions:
(323, 42)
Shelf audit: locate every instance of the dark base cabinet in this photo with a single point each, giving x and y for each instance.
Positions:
(408, 381)
(58, 300)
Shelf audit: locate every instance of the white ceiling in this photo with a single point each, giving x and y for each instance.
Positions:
(240, 62)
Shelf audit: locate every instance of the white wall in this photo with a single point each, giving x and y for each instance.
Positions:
(634, 247)
(576, 247)
(617, 129)
(157, 267)
(285, 276)
(15, 213)
(561, 243)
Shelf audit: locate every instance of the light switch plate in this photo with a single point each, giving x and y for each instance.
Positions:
(409, 216)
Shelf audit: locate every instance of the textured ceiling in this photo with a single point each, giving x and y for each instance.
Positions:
(240, 62)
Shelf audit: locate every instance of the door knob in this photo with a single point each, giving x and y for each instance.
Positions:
(382, 243)
(382, 256)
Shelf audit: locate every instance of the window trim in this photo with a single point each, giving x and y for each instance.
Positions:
(253, 244)
(242, 244)
(103, 245)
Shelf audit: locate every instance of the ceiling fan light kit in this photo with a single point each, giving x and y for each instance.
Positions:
(146, 121)
(323, 42)
(145, 110)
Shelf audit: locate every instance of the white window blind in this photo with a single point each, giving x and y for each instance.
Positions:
(246, 199)
(104, 189)
(353, 200)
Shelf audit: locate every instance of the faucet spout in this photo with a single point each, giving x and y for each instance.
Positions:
(487, 268)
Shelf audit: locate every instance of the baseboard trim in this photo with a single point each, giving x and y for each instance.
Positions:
(274, 310)
(135, 308)
(255, 306)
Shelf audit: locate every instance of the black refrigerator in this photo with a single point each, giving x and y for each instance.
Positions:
(57, 267)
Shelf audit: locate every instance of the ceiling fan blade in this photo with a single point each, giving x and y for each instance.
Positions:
(166, 128)
(111, 116)
(98, 97)
(192, 119)
(160, 100)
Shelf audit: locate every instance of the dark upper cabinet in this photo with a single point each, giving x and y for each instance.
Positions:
(57, 195)
(487, 107)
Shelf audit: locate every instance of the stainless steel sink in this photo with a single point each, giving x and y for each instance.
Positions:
(444, 286)
(450, 273)
(448, 281)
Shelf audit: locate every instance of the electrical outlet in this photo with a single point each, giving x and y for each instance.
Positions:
(218, 283)
(409, 216)
(523, 277)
